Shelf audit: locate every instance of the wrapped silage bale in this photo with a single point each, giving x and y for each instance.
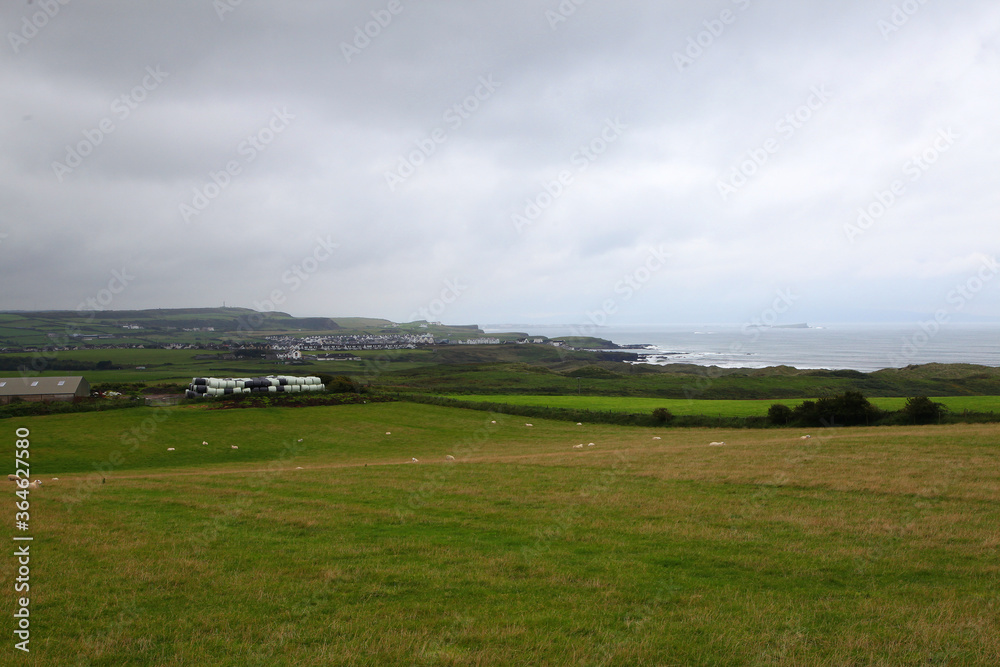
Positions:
(272, 390)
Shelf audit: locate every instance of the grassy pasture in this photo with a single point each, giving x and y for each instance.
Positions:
(716, 407)
(856, 546)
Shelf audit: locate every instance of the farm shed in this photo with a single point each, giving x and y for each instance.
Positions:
(43, 389)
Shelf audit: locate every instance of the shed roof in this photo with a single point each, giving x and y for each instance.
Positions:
(37, 386)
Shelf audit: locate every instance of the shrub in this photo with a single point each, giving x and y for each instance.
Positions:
(779, 414)
(662, 416)
(922, 410)
(848, 409)
(340, 384)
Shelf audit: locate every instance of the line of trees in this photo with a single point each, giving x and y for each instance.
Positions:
(852, 409)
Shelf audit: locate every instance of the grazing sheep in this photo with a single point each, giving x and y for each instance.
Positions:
(299, 468)
(300, 439)
(805, 437)
(234, 446)
(388, 432)
(34, 485)
(656, 437)
(579, 424)
(580, 446)
(590, 444)
(170, 449)
(12, 478)
(414, 461)
(529, 424)
(494, 421)
(204, 442)
(449, 457)
(55, 479)
(716, 444)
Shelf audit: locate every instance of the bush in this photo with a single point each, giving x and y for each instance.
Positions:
(662, 416)
(779, 414)
(848, 409)
(922, 410)
(340, 384)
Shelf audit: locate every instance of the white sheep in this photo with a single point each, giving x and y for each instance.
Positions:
(234, 446)
(34, 485)
(590, 444)
(494, 421)
(805, 437)
(580, 446)
(449, 457)
(12, 478)
(300, 439)
(656, 437)
(388, 432)
(55, 479)
(170, 449)
(414, 461)
(716, 444)
(579, 424)
(204, 442)
(529, 424)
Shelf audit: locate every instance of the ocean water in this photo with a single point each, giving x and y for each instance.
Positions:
(837, 346)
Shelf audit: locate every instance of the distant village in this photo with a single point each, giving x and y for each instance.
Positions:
(286, 347)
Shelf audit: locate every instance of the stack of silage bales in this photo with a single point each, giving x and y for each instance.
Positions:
(281, 384)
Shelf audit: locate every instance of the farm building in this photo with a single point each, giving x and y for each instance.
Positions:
(43, 389)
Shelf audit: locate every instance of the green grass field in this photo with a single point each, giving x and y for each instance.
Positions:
(854, 547)
(719, 407)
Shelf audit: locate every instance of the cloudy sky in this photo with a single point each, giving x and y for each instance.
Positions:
(529, 161)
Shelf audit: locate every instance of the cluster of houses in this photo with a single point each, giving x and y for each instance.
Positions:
(400, 341)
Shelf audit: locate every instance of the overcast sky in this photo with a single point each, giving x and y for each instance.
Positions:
(525, 161)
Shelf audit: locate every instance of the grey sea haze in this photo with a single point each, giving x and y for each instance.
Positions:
(861, 347)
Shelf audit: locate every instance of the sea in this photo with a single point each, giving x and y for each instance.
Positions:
(861, 347)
